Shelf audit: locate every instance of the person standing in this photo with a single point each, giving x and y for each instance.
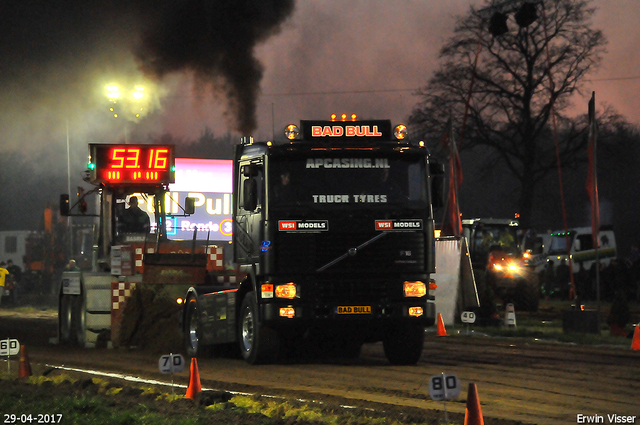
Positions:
(3, 273)
(16, 274)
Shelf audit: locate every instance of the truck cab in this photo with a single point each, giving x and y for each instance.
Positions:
(583, 254)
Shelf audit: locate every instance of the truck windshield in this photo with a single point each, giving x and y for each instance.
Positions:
(559, 244)
(348, 181)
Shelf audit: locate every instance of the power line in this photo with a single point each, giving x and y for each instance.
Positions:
(338, 92)
(414, 89)
(637, 77)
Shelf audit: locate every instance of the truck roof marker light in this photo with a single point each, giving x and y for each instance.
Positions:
(414, 289)
(333, 117)
(291, 131)
(288, 290)
(400, 132)
(416, 311)
(288, 312)
(344, 117)
(353, 117)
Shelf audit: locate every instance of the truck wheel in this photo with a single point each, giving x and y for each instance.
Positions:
(65, 317)
(192, 333)
(403, 344)
(78, 321)
(258, 343)
(71, 321)
(528, 295)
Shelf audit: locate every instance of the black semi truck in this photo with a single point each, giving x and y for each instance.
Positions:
(334, 232)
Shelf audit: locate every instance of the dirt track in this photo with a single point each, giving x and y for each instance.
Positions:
(517, 381)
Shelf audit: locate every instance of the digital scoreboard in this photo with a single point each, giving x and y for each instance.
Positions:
(132, 164)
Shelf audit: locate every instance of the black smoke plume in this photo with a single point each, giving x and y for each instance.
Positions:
(214, 39)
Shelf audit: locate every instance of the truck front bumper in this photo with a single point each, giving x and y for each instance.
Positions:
(288, 312)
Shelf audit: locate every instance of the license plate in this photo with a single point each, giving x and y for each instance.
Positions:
(360, 309)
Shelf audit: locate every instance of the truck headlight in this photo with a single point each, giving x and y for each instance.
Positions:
(415, 289)
(288, 290)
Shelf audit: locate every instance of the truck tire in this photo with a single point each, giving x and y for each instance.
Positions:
(78, 322)
(403, 344)
(528, 295)
(65, 317)
(259, 344)
(192, 332)
(71, 322)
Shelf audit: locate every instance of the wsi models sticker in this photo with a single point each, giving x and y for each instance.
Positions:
(399, 224)
(303, 225)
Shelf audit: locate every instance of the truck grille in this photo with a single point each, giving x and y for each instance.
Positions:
(363, 290)
(397, 252)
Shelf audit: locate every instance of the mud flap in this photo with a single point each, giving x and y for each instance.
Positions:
(219, 305)
(456, 290)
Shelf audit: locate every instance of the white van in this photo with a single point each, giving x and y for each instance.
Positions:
(582, 249)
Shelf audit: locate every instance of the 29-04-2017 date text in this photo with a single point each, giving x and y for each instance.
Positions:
(39, 418)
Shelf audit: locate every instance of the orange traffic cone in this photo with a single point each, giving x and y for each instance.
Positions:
(194, 381)
(635, 343)
(25, 367)
(441, 330)
(473, 412)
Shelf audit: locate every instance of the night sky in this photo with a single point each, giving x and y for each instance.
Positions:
(232, 66)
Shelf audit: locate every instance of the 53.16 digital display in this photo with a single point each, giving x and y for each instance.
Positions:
(141, 164)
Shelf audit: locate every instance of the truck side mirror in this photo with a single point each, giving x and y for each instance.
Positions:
(436, 170)
(250, 194)
(189, 205)
(64, 205)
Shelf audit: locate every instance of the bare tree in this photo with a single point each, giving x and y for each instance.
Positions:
(511, 101)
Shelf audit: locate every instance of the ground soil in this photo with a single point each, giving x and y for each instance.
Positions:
(518, 380)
